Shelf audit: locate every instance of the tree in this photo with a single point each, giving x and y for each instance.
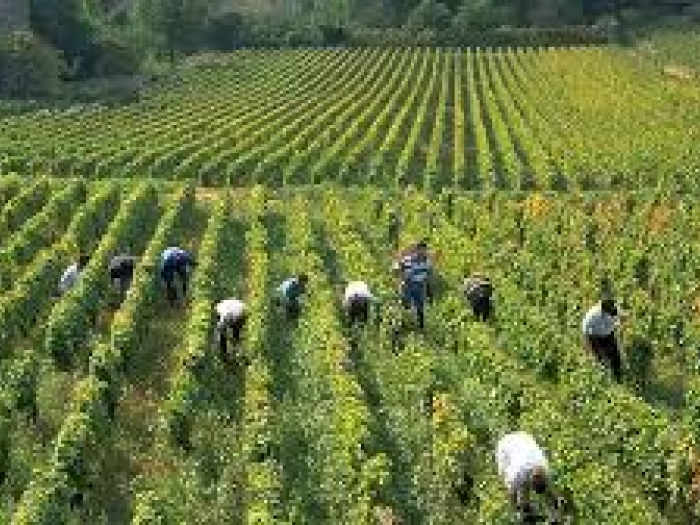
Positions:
(28, 66)
(64, 24)
(226, 31)
(430, 14)
(480, 15)
(178, 25)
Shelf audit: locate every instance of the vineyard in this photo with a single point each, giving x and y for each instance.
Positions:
(547, 119)
(123, 413)
(557, 172)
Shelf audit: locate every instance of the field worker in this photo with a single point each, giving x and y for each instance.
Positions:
(121, 271)
(356, 300)
(478, 290)
(415, 270)
(175, 262)
(598, 328)
(523, 466)
(232, 315)
(290, 292)
(70, 277)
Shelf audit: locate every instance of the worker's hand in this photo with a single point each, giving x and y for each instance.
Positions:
(526, 509)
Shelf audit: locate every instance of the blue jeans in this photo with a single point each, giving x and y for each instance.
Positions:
(413, 295)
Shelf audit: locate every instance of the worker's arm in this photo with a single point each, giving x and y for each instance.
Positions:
(514, 498)
(555, 504)
(396, 266)
(520, 497)
(619, 320)
(523, 502)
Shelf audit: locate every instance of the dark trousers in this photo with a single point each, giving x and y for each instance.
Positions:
(122, 281)
(358, 311)
(230, 332)
(413, 295)
(169, 274)
(481, 306)
(607, 352)
(293, 309)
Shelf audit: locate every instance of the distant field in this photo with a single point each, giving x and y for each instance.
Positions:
(327, 424)
(591, 118)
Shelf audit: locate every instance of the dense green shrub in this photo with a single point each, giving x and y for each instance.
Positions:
(111, 55)
(429, 14)
(226, 32)
(65, 25)
(479, 15)
(334, 36)
(28, 67)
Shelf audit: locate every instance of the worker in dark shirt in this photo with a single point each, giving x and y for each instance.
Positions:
(121, 271)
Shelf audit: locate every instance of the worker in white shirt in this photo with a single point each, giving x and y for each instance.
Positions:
(478, 290)
(523, 466)
(232, 315)
(598, 328)
(70, 277)
(356, 301)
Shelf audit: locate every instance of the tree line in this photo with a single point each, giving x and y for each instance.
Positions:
(79, 39)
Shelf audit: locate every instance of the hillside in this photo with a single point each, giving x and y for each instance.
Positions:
(586, 118)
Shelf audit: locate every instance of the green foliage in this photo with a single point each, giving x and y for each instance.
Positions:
(226, 31)
(176, 25)
(416, 428)
(64, 24)
(480, 15)
(112, 54)
(28, 67)
(429, 14)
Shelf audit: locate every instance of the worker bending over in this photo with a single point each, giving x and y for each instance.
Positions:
(232, 316)
(478, 290)
(121, 271)
(289, 293)
(175, 262)
(523, 466)
(356, 302)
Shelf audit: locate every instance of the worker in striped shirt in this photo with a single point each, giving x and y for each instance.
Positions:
(415, 270)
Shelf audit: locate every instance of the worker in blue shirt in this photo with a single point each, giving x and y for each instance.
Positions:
(175, 262)
(289, 294)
